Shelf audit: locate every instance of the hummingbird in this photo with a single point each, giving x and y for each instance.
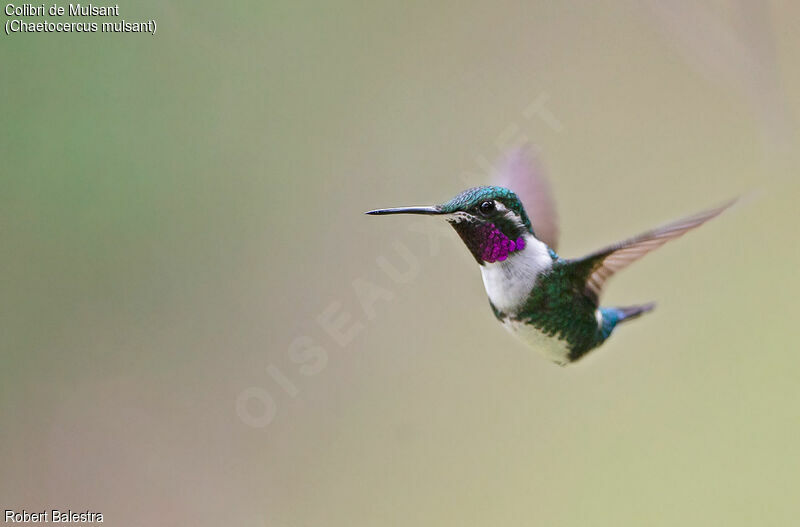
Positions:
(549, 302)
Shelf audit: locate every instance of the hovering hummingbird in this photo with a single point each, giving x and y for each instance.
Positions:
(550, 302)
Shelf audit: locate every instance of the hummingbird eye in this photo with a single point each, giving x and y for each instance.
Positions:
(487, 207)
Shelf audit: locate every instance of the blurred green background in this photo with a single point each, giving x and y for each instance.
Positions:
(178, 210)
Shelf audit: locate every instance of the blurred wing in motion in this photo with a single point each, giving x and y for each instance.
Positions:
(601, 265)
(520, 172)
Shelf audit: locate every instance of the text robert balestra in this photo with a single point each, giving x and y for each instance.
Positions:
(53, 516)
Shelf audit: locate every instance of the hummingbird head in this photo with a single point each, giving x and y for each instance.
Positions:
(490, 220)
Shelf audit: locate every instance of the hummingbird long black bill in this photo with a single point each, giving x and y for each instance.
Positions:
(407, 210)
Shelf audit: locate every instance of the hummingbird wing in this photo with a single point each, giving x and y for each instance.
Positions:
(519, 171)
(599, 266)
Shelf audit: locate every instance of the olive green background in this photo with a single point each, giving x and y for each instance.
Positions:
(178, 211)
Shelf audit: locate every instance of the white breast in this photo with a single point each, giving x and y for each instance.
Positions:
(508, 283)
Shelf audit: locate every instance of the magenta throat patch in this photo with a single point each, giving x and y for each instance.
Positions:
(494, 246)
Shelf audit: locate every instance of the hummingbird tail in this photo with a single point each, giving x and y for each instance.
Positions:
(631, 312)
(614, 315)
